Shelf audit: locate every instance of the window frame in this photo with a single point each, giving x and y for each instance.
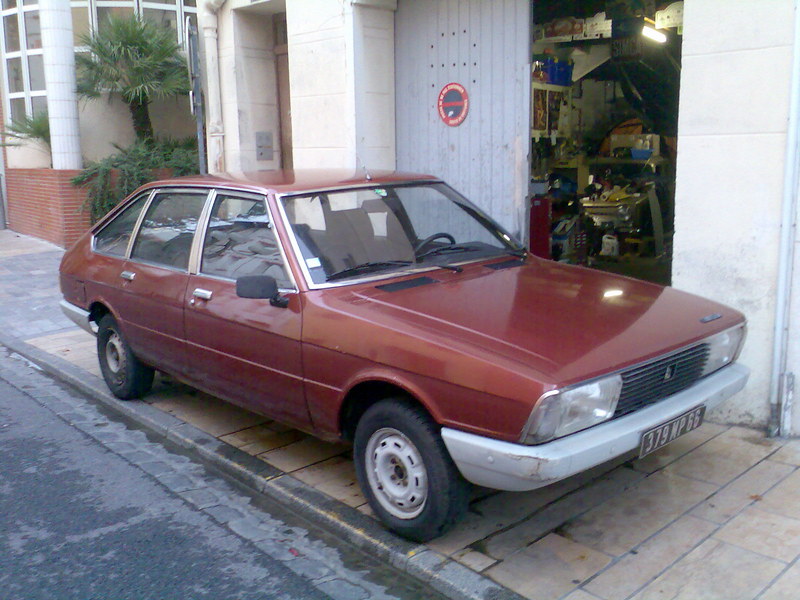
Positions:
(134, 231)
(270, 215)
(201, 218)
(27, 94)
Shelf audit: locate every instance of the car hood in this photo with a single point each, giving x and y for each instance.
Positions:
(565, 323)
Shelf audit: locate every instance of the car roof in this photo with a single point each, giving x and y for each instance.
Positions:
(283, 182)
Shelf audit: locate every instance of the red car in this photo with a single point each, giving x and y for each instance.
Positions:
(390, 311)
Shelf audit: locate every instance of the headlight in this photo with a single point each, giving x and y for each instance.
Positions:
(566, 411)
(724, 348)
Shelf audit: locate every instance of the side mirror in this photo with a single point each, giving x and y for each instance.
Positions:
(263, 287)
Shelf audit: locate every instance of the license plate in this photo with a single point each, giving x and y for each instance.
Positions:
(660, 436)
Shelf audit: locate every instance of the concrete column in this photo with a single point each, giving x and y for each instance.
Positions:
(59, 75)
(341, 69)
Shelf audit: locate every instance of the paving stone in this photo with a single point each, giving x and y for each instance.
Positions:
(560, 567)
(648, 560)
(725, 457)
(250, 529)
(178, 482)
(338, 589)
(581, 595)
(626, 520)
(202, 498)
(783, 498)
(311, 569)
(714, 570)
(786, 586)
(556, 514)
(743, 491)
(224, 514)
(137, 456)
(475, 560)
(298, 455)
(763, 532)
(155, 467)
(789, 453)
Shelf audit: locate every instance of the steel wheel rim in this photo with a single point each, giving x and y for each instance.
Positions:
(115, 354)
(396, 473)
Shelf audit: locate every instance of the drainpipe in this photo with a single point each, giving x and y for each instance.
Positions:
(782, 382)
(215, 126)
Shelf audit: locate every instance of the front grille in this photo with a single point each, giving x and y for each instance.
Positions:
(648, 383)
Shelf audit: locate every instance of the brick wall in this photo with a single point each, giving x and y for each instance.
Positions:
(44, 204)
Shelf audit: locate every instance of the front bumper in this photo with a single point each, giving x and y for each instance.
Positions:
(514, 467)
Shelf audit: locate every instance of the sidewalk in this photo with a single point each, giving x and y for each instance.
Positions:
(714, 515)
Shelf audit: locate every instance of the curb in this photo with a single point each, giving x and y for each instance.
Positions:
(442, 573)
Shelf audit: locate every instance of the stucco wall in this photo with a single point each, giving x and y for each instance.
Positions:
(105, 122)
(248, 84)
(341, 69)
(737, 57)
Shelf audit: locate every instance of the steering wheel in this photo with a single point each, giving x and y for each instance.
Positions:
(430, 238)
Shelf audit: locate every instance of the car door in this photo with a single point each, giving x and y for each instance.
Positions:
(154, 278)
(245, 350)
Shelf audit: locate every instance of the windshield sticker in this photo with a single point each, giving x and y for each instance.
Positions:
(313, 263)
(380, 192)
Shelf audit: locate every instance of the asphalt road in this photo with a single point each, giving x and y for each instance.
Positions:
(90, 508)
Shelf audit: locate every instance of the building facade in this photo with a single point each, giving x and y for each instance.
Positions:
(356, 84)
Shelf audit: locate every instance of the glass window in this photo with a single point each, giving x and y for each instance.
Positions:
(114, 237)
(104, 12)
(167, 231)
(33, 30)
(189, 3)
(352, 233)
(15, 81)
(80, 23)
(11, 27)
(9, 4)
(39, 104)
(163, 18)
(240, 241)
(36, 72)
(30, 2)
(17, 108)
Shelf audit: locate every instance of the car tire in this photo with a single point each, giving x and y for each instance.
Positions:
(125, 375)
(406, 472)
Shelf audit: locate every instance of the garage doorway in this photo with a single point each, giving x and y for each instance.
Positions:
(605, 79)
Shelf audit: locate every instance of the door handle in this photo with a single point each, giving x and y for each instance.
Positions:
(129, 275)
(202, 294)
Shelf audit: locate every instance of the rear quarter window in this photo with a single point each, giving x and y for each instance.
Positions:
(114, 237)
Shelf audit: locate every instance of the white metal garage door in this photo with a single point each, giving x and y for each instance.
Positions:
(484, 46)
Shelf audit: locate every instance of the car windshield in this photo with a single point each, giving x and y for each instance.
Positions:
(362, 232)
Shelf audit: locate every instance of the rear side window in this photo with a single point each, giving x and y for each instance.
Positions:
(165, 237)
(114, 237)
(240, 241)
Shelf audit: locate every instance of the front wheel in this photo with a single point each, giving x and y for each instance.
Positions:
(124, 374)
(405, 471)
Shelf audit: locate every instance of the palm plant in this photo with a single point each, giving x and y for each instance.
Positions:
(136, 59)
(35, 128)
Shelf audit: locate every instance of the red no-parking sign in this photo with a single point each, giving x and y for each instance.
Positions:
(453, 104)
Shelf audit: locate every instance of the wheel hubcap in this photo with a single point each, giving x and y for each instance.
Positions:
(396, 473)
(115, 354)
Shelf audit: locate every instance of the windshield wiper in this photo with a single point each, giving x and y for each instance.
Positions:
(518, 253)
(449, 248)
(367, 267)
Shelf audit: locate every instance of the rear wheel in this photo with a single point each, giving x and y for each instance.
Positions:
(125, 375)
(405, 471)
